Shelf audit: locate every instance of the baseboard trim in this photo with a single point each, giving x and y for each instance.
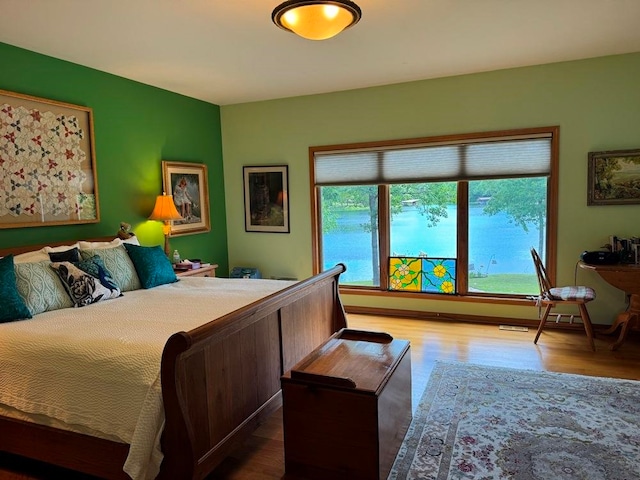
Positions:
(457, 317)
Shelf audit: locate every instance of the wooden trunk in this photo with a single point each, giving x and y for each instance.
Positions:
(347, 407)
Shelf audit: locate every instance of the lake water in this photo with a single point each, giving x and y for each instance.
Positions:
(497, 246)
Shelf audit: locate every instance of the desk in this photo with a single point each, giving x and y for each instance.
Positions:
(626, 277)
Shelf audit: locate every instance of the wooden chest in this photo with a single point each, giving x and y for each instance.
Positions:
(347, 407)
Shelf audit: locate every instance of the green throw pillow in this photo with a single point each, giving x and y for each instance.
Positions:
(40, 287)
(13, 306)
(95, 267)
(118, 263)
(152, 265)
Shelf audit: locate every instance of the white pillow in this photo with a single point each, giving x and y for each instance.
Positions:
(61, 248)
(99, 245)
(42, 254)
(29, 257)
(132, 240)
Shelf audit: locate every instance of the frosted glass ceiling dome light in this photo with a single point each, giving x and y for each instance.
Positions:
(316, 19)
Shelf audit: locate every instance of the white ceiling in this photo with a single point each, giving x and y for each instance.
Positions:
(228, 51)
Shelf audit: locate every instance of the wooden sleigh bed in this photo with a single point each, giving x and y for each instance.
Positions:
(219, 382)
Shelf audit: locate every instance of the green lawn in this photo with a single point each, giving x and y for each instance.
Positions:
(506, 283)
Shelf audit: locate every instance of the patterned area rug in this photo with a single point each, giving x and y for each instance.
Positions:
(476, 422)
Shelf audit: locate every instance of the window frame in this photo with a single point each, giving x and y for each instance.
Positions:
(462, 243)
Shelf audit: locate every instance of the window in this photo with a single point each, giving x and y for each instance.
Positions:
(453, 215)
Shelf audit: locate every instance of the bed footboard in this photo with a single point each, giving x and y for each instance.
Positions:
(220, 380)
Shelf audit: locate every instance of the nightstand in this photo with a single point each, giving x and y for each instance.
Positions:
(208, 271)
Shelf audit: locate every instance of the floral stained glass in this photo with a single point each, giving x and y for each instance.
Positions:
(422, 274)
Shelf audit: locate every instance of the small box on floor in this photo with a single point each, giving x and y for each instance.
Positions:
(245, 272)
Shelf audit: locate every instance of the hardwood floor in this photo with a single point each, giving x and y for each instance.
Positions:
(262, 456)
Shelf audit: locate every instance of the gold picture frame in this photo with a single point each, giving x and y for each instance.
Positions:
(614, 177)
(47, 163)
(188, 183)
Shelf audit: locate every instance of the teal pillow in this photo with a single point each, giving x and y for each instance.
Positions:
(152, 265)
(118, 263)
(13, 306)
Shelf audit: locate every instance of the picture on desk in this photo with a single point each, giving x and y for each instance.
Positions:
(614, 177)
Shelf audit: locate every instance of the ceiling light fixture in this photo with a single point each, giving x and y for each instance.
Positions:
(316, 19)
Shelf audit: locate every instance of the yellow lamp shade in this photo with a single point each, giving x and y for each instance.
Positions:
(165, 209)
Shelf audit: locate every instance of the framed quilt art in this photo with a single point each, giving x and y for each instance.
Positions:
(47, 163)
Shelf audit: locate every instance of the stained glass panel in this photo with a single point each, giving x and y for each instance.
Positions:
(423, 274)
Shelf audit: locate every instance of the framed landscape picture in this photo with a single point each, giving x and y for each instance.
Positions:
(187, 182)
(266, 199)
(614, 177)
(47, 164)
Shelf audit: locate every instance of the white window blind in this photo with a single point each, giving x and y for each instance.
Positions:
(465, 160)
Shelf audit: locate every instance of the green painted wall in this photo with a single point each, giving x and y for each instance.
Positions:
(136, 126)
(595, 102)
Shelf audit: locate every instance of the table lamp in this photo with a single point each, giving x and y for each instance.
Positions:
(165, 211)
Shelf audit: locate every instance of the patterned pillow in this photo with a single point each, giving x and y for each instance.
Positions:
(118, 263)
(95, 267)
(40, 287)
(84, 289)
(152, 265)
(13, 306)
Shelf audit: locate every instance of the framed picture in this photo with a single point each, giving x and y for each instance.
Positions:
(614, 177)
(266, 199)
(47, 163)
(187, 182)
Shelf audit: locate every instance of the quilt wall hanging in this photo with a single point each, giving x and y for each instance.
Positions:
(47, 163)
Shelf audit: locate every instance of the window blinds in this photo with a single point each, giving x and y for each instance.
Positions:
(464, 160)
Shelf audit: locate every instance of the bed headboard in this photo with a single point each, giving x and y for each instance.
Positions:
(29, 248)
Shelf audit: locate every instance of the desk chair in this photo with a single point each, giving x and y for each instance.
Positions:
(551, 296)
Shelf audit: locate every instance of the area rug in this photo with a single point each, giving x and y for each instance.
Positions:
(477, 422)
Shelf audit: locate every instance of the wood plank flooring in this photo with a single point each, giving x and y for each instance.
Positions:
(262, 456)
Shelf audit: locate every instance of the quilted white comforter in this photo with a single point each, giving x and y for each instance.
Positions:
(97, 368)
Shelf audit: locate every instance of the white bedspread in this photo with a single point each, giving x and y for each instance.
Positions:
(97, 368)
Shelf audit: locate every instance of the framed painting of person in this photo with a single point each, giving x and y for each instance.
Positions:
(187, 183)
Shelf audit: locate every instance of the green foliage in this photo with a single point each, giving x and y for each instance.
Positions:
(431, 198)
(340, 199)
(523, 200)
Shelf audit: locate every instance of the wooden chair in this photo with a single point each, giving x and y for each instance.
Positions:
(551, 296)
